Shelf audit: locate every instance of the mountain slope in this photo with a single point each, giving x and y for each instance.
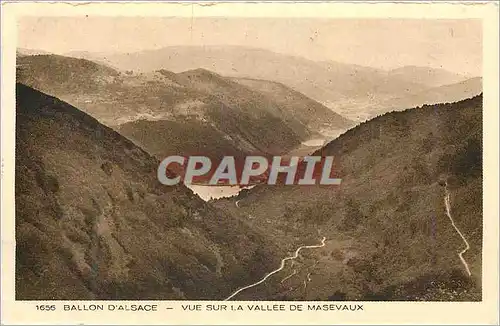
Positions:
(387, 230)
(309, 112)
(163, 138)
(114, 98)
(64, 75)
(247, 105)
(93, 222)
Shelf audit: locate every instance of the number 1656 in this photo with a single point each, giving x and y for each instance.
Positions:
(46, 307)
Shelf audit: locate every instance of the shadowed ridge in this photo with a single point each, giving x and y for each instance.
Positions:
(32, 101)
(93, 221)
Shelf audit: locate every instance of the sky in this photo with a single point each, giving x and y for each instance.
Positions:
(454, 45)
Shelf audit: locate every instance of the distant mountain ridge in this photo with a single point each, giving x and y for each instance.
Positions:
(347, 89)
(441, 94)
(354, 91)
(431, 77)
(199, 97)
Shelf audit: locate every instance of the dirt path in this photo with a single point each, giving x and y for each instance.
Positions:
(448, 213)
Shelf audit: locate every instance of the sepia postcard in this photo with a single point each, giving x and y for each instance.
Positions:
(319, 163)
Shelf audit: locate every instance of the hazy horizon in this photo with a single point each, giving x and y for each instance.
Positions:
(453, 45)
(75, 52)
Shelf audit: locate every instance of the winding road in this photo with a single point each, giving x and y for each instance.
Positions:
(296, 254)
(283, 261)
(448, 213)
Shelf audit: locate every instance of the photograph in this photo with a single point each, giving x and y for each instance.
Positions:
(137, 138)
(250, 163)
